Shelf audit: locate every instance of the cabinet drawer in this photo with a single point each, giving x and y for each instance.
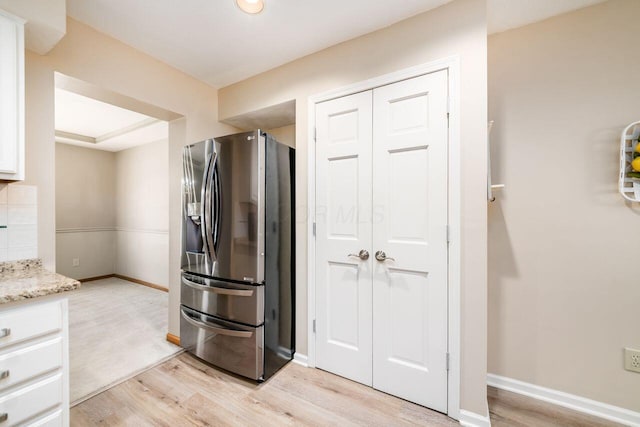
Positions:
(232, 346)
(230, 301)
(26, 363)
(24, 323)
(52, 420)
(27, 402)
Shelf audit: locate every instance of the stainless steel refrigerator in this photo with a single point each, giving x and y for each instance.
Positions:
(238, 246)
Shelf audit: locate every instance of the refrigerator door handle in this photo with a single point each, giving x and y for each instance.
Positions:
(203, 208)
(218, 290)
(217, 206)
(215, 328)
(208, 228)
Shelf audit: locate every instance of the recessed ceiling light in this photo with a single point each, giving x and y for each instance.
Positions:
(251, 6)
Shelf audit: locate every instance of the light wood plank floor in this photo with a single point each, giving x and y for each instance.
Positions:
(187, 392)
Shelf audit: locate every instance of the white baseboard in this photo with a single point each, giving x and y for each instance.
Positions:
(571, 401)
(300, 359)
(471, 419)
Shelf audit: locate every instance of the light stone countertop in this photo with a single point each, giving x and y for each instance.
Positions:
(24, 279)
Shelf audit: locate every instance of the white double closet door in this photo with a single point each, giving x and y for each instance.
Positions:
(381, 185)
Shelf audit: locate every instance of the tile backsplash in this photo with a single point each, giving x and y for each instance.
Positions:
(18, 222)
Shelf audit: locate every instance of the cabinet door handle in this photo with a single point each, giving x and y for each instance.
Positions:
(4, 417)
(5, 332)
(4, 374)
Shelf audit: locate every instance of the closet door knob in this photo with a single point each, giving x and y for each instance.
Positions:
(381, 256)
(363, 255)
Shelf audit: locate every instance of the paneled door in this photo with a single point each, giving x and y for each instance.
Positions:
(381, 240)
(410, 178)
(343, 230)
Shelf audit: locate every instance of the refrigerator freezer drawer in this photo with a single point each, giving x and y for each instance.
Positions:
(230, 301)
(231, 346)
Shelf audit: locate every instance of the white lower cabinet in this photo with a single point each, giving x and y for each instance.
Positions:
(25, 402)
(34, 374)
(55, 419)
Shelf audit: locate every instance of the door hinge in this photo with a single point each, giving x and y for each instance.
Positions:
(314, 229)
(448, 110)
(315, 134)
(314, 326)
(447, 361)
(448, 234)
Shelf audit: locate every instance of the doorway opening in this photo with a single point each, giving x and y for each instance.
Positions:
(112, 221)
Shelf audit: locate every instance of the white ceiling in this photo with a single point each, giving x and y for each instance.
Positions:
(217, 43)
(504, 15)
(89, 123)
(214, 41)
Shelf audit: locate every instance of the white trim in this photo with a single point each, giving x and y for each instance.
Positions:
(300, 359)
(84, 229)
(471, 419)
(566, 400)
(13, 17)
(141, 230)
(455, 240)
(61, 136)
(66, 366)
(127, 129)
(396, 76)
(452, 65)
(98, 229)
(311, 238)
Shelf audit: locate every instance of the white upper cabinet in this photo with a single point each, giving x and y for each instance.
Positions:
(11, 97)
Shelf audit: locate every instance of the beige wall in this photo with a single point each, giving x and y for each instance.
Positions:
(112, 212)
(458, 28)
(85, 211)
(563, 252)
(142, 212)
(285, 135)
(142, 187)
(40, 166)
(85, 187)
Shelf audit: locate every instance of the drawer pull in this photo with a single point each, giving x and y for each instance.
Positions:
(4, 417)
(4, 374)
(5, 332)
(216, 329)
(218, 290)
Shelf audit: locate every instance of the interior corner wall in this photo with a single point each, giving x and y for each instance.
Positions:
(457, 28)
(85, 200)
(142, 212)
(563, 244)
(88, 55)
(285, 135)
